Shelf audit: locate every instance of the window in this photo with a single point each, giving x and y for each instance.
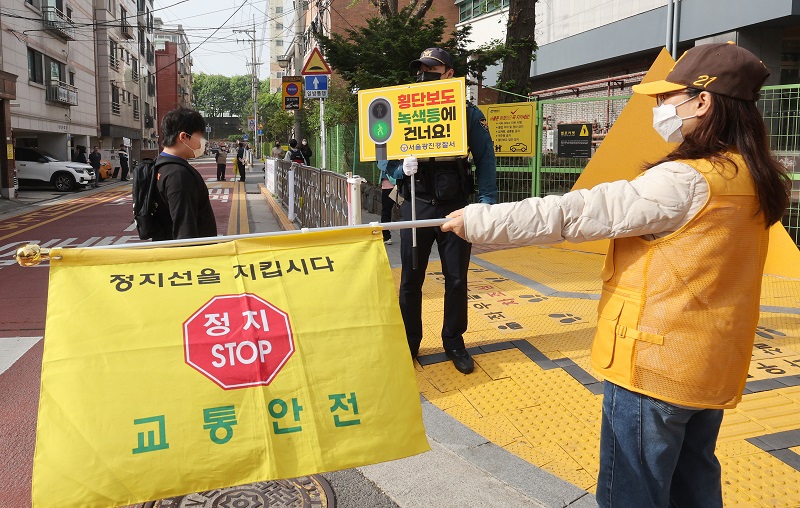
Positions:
(279, 42)
(112, 55)
(123, 15)
(278, 25)
(115, 99)
(478, 8)
(69, 14)
(280, 74)
(279, 9)
(135, 107)
(110, 6)
(72, 78)
(57, 71)
(35, 66)
(465, 10)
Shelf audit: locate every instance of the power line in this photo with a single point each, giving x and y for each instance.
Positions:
(198, 46)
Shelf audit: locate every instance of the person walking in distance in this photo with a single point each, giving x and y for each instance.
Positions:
(295, 154)
(123, 163)
(443, 184)
(306, 151)
(222, 156)
(682, 279)
(94, 161)
(240, 160)
(277, 151)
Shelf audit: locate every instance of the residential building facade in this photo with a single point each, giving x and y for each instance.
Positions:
(48, 46)
(173, 68)
(280, 33)
(147, 107)
(118, 75)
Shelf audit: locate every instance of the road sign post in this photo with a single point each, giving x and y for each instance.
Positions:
(292, 96)
(316, 72)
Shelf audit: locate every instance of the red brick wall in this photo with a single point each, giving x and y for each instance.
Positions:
(166, 80)
(344, 17)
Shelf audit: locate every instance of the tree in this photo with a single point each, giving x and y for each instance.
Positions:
(388, 8)
(518, 51)
(211, 94)
(277, 122)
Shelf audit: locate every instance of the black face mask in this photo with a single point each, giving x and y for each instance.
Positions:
(428, 76)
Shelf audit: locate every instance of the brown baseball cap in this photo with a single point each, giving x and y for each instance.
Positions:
(433, 57)
(724, 69)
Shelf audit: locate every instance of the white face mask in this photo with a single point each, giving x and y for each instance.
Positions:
(198, 152)
(667, 122)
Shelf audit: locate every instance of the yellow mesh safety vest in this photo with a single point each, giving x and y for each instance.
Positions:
(677, 315)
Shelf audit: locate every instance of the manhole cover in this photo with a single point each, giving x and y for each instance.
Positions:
(303, 492)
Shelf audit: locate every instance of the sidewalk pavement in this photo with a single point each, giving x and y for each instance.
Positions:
(463, 468)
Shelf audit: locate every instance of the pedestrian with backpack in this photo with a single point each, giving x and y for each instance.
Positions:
(182, 205)
(295, 154)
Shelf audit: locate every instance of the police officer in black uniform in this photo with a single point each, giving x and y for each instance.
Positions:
(442, 185)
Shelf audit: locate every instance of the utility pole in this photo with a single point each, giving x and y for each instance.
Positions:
(251, 34)
(299, 46)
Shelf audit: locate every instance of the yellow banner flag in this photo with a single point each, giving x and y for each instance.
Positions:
(220, 365)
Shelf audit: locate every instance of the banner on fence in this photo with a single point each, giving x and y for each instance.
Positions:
(224, 365)
(423, 119)
(513, 128)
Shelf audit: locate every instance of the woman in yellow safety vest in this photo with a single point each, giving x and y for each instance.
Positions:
(682, 278)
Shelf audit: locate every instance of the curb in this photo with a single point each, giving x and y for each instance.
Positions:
(277, 210)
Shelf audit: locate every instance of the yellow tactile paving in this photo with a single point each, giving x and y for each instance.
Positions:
(763, 478)
(548, 418)
(772, 410)
(559, 269)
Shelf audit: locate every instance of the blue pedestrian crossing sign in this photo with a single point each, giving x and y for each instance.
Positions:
(316, 86)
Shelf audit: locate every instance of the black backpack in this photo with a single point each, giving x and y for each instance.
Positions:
(144, 199)
(297, 156)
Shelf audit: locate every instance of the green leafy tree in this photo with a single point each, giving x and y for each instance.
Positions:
(277, 122)
(211, 93)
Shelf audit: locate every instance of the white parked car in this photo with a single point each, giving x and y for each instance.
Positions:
(37, 166)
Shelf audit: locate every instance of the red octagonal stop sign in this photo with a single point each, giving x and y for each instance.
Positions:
(238, 340)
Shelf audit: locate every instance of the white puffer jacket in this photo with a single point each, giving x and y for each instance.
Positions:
(653, 205)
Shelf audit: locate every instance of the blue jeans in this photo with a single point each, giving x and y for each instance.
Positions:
(655, 454)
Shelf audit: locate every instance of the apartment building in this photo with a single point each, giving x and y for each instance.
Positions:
(48, 46)
(147, 106)
(280, 33)
(118, 74)
(173, 67)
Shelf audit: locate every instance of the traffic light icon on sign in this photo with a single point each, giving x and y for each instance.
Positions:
(379, 113)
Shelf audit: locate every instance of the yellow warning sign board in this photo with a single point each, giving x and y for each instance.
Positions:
(423, 119)
(584, 130)
(292, 92)
(315, 64)
(513, 128)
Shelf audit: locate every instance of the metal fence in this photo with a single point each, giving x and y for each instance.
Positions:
(780, 107)
(320, 197)
(547, 173)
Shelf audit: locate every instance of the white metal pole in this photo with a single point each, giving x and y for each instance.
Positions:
(354, 203)
(324, 159)
(413, 230)
(676, 16)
